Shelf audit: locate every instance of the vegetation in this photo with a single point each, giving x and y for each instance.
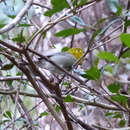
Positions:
(95, 94)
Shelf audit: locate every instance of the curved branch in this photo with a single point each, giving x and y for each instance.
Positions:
(17, 19)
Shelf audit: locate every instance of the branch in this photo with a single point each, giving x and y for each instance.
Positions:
(7, 78)
(10, 46)
(103, 128)
(63, 17)
(10, 92)
(53, 63)
(17, 19)
(76, 99)
(39, 91)
(81, 123)
(101, 105)
(26, 114)
(22, 115)
(40, 5)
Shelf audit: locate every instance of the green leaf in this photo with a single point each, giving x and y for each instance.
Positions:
(12, 16)
(109, 68)
(43, 114)
(74, 3)
(9, 83)
(4, 121)
(20, 38)
(7, 67)
(68, 32)
(81, 106)
(68, 98)
(66, 84)
(108, 56)
(57, 108)
(24, 25)
(44, 35)
(100, 21)
(127, 23)
(5, 115)
(8, 114)
(96, 61)
(58, 5)
(2, 23)
(120, 99)
(19, 73)
(92, 74)
(108, 113)
(82, 2)
(95, 34)
(125, 39)
(117, 115)
(114, 87)
(77, 3)
(126, 54)
(64, 49)
(122, 123)
(119, 11)
(113, 114)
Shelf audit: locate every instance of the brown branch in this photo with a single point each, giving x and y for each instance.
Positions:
(40, 5)
(11, 46)
(76, 99)
(63, 107)
(81, 123)
(39, 90)
(55, 88)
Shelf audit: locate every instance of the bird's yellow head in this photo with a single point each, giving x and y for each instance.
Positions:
(77, 52)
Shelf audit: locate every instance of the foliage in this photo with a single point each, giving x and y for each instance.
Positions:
(100, 78)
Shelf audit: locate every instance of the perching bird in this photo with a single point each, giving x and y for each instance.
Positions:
(63, 59)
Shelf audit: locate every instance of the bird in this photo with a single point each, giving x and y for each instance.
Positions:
(63, 59)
